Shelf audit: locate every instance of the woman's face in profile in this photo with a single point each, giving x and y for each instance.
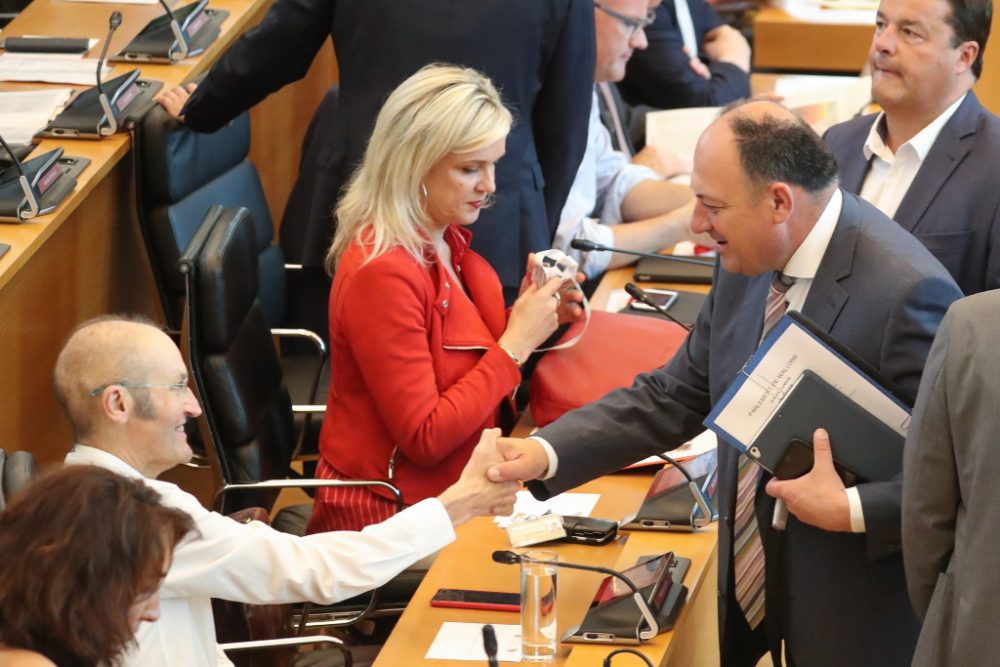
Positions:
(457, 185)
(146, 608)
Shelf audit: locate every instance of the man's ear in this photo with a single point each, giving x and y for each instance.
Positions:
(781, 201)
(115, 405)
(967, 54)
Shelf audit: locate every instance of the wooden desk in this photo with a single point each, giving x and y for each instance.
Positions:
(88, 258)
(784, 42)
(467, 564)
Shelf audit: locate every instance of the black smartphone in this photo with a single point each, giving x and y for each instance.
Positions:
(588, 530)
(466, 599)
(798, 460)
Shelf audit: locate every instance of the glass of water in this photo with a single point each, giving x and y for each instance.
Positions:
(538, 605)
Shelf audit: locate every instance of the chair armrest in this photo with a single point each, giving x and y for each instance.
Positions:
(293, 267)
(305, 484)
(284, 641)
(306, 334)
(309, 409)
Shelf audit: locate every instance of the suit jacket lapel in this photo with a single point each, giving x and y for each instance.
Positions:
(826, 295)
(852, 171)
(950, 148)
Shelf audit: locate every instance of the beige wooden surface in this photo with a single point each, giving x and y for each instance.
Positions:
(87, 258)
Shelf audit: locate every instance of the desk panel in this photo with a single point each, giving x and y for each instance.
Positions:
(784, 42)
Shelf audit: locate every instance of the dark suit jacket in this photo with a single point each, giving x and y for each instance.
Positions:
(539, 53)
(953, 204)
(837, 598)
(660, 77)
(951, 501)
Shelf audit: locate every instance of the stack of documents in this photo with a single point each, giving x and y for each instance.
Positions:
(50, 68)
(24, 113)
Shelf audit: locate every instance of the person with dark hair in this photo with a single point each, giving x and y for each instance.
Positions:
(84, 551)
(832, 586)
(125, 389)
(693, 60)
(929, 159)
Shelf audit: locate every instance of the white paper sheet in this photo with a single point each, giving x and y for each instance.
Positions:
(119, 2)
(464, 641)
(564, 504)
(50, 68)
(704, 442)
(23, 113)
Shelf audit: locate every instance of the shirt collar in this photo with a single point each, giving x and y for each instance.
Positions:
(84, 454)
(806, 259)
(921, 142)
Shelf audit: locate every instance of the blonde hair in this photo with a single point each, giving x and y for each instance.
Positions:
(439, 110)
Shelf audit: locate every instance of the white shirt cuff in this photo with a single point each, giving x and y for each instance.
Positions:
(857, 512)
(550, 453)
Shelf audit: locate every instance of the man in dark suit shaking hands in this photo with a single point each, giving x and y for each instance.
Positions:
(833, 589)
(930, 159)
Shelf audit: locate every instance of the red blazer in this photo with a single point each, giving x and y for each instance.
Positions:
(417, 373)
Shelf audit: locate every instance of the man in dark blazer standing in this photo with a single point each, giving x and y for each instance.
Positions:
(539, 53)
(710, 66)
(950, 495)
(767, 193)
(930, 159)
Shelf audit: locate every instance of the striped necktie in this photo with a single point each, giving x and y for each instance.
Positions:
(748, 550)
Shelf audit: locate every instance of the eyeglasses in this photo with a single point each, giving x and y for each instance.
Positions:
(176, 386)
(632, 24)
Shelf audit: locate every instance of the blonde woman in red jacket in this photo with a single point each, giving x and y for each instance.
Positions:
(423, 352)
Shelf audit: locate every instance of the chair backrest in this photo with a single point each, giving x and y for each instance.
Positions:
(182, 174)
(233, 358)
(16, 470)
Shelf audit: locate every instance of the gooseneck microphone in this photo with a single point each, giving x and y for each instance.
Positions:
(699, 497)
(179, 49)
(639, 294)
(30, 202)
(590, 246)
(490, 645)
(505, 557)
(110, 117)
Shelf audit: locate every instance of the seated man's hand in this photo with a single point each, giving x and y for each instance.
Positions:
(818, 497)
(523, 459)
(697, 66)
(473, 494)
(662, 162)
(727, 45)
(174, 99)
(571, 301)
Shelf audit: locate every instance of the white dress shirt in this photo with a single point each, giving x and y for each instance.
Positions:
(254, 563)
(890, 175)
(802, 265)
(603, 180)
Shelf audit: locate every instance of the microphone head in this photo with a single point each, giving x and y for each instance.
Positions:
(115, 20)
(583, 244)
(506, 557)
(489, 641)
(635, 291)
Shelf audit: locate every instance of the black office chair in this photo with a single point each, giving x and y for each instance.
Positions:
(247, 407)
(182, 174)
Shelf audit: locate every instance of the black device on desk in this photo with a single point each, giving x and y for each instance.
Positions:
(666, 269)
(28, 44)
(460, 598)
(108, 107)
(37, 186)
(176, 35)
(614, 616)
(682, 497)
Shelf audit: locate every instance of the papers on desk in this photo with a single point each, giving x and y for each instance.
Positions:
(564, 504)
(464, 641)
(822, 11)
(677, 130)
(50, 68)
(23, 113)
(706, 441)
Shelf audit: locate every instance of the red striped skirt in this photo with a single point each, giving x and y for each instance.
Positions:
(346, 508)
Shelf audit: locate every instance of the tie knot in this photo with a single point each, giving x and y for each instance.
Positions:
(781, 283)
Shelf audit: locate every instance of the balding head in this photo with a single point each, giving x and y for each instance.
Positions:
(100, 352)
(125, 388)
